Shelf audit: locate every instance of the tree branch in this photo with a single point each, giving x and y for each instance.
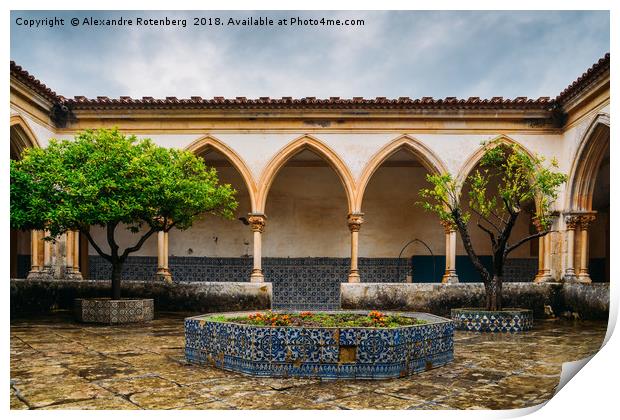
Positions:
(508, 206)
(462, 227)
(487, 231)
(86, 233)
(524, 240)
(110, 228)
(480, 215)
(139, 244)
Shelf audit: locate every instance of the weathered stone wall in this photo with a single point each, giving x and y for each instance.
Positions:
(590, 301)
(42, 296)
(439, 298)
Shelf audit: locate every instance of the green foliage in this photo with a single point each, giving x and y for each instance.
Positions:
(518, 176)
(442, 198)
(105, 178)
(320, 319)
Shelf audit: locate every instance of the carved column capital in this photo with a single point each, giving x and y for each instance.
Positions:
(448, 226)
(586, 220)
(257, 222)
(355, 220)
(571, 221)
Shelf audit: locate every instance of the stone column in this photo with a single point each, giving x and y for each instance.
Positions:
(69, 254)
(547, 258)
(584, 224)
(47, 257)
(541, 259)
(76, 252)
(571, 224)
(544, 255)
(72, 268)
(163, 272)
(35, 266)
(450, 275)
(354, 220)
(257, 224)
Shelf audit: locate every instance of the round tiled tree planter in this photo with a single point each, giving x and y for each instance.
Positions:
(110, 311)
(480, 320)
(320, 352)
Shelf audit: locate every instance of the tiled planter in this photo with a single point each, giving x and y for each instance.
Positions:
(320, 352)
(108, 311)
(507, 320)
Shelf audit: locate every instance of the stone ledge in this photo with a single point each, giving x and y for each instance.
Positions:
(438, 298)
(29, 296)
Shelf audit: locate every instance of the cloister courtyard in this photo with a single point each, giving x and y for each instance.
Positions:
(57, 363)
(323, 206)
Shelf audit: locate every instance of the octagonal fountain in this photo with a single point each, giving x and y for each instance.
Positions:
(344, 352)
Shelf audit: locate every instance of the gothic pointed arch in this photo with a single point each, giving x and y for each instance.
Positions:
(425, 155)
(208, 143)
(281, 158)
(22, 136)
(585, 163)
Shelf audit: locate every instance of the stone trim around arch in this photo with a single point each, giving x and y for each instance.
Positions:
(585, 163)
(30, 137)
(426, 156)
(282, 157)
(209, 142)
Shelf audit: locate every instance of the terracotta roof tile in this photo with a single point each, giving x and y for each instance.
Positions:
(592, 74)
(35, 84)
(287, 102)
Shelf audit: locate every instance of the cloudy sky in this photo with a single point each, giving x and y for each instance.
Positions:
(393, 54)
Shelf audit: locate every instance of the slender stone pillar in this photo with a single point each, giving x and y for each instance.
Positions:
(69, 253)
(257, 224)
(450, 275)
(72, 250)
(584, 224)
(163, 272)
(547, 258)
(541, 259)
(354, 221)
(35, 267)
(76, 252)
(47, 257)
(571, 224)
(544, 255)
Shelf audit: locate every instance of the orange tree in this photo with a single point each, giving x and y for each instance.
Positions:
(520, 178)
(107, 179)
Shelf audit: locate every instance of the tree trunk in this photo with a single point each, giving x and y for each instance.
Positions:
(117, 267)
(494, 294)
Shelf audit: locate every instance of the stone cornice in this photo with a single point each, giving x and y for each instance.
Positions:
(539, 112)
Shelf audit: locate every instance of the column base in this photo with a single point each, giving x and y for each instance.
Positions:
(584, 278)
(164, 275)
(569, 276)
(257, 276)
(73, 275)
(39, 275)
(543, 278)
(450, 278)
(354, 276)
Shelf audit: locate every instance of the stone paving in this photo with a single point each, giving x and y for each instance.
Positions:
(59, 364)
